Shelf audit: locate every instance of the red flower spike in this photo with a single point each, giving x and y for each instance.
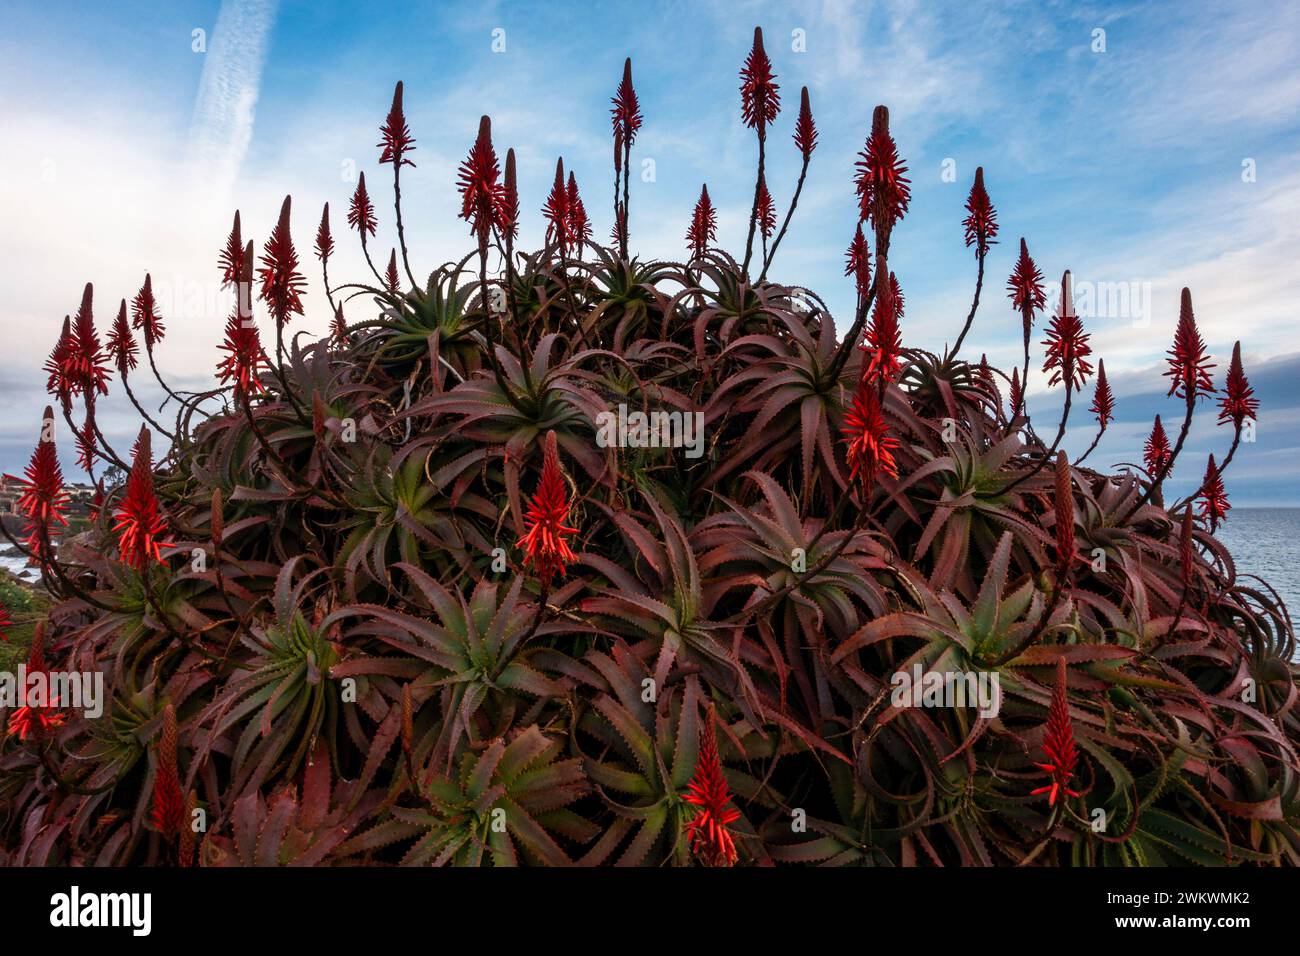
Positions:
(1103, 402)
(871, 446)
(231, 258)
(626, 111)
(324, 241)
(883, 190)
(766, 210)
(144, 315)
(1025, 289)
(245, 358)
(1063, 506)
(282, 284)
(27, 722)
(1189, 365)
(1214, 497)
(579, 226)
(61, 367)
(480, 193)
(1239, 401)
(760, 100)
(984, 375)
(168, 813)
(805, 130)
(710, 839)
(1156, 452)
(982, 220)
(338, 326)
(1058, 743)
(506, 210)
(883, 346)
(1016, 396)
(857, 263)
(704, 224)
(122, 350)
(87, 449)
(90, 365)
(139, 518)
(395, 135)
(391, 278)
(545, 546)
(361, 214)
(1067, 343)
(43, 499)
(556, 210)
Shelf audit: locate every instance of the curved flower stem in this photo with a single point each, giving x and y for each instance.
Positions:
(397, 208)
(116, 459)
(1078, 461)
(140, 408)
(1049, 453)
(789, 213)
(625, 231)
(1163, 473)
(851, 339)
(148, 348)
(365, 251)
(753, 215)
(974, 306)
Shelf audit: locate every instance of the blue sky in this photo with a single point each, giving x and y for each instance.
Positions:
(124, 150)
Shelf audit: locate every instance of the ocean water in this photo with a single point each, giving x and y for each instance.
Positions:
(1266, 542)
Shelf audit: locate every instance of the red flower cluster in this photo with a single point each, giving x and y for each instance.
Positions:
(168, 814)
(1156, 452)
(1058, 743)
(883, 346)
(766, 209)
(43, 499)
(704, 224)
(1025, 289)
(26, 722)
(61, 366)
(144, 314)
(231, 258)
(1189, 365)
(1214, 497)
(1238, 402)
(395, 135)
(982, 220)
(1016, 395)
(625, 112)
(121, 346)
(245, 358)
(139, 518)
(857, 263)
(871, 446)
(711, 840)
(361, 213)
(805, 130)
(282, 283)
(760, 100)
(89, 364)
(579, 225)
(545, 544)
(324, 240)
(1067, 343)
(391, 277)
(883, 190)
(1103, 402)
(480, 193)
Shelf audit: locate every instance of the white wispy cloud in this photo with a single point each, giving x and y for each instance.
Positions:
(224, 111)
